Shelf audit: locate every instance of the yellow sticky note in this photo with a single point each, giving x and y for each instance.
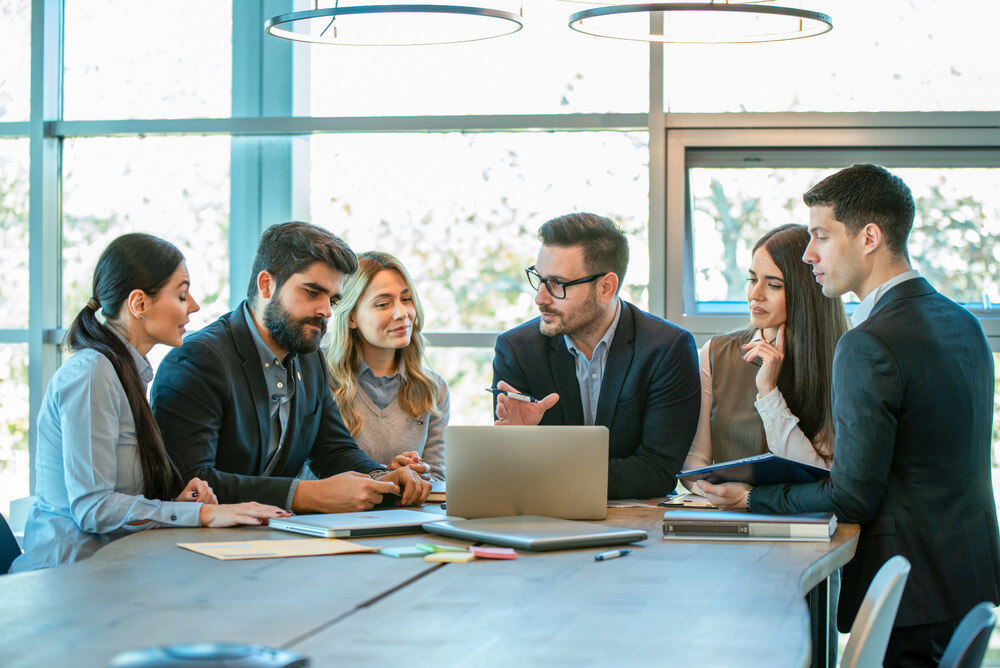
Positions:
(451, 557)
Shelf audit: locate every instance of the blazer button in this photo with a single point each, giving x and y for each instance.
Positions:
(173, 517)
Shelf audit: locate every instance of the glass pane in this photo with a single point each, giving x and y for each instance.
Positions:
(954, 240)
(173, 187)
(14, 465)
(15, 59)
(14, 233)
(890, 55)
(144, 59)
(544, 68)
(468, 372)
(462, 211)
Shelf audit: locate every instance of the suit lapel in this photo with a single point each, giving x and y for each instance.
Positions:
(617, 365)
(563, 368)
(254, 374)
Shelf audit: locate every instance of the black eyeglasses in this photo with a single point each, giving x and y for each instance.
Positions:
(556, 288)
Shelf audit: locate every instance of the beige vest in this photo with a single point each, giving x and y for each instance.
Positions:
(737, 430)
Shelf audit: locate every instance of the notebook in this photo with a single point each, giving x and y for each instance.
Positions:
(368, 523)
(727, 525)
(530, 532)
(766, 469)
(554, 471)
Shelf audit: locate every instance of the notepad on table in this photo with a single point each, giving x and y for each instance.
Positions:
(437, 494)
(273, 549)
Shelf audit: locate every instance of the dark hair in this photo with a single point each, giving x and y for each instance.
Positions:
(863, 194)
(131, 262)
(605, 246)
(289, 248)
(813, 325)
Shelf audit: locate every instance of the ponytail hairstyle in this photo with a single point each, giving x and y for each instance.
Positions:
(813, 325)
(419, 391)
(131, 262)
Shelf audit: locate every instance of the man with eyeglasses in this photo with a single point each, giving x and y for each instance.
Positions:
(592, 358)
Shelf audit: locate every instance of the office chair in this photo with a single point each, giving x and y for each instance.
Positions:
(9, 549)
(870, 631)
(971, 639)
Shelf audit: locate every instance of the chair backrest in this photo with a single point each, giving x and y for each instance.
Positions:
(9, 549)
(870, 631)
(971, 639)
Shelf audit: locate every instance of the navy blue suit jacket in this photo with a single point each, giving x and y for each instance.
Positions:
(913, 412)
(211, 403)
(650, 394)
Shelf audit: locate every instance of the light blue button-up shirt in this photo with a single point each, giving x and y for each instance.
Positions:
(382, 390)
(867, 304)
(590, 373)
(88, 478)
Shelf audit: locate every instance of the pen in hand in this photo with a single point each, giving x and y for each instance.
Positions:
(517, 396)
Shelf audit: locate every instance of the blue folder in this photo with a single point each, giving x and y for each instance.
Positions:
(766, 469)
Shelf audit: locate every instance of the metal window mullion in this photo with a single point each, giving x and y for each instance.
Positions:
(44, 208)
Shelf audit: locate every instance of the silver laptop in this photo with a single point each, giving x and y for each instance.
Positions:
(530, 532)
(368, 523)
(553, 471)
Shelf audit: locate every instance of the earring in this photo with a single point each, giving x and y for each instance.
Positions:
(141, 316)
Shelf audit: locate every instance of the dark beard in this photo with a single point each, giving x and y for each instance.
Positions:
(290, 333)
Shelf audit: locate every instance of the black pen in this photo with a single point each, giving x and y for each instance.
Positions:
(517, 396)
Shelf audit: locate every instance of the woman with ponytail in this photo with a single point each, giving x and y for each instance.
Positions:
(394, 405)
(101, 469)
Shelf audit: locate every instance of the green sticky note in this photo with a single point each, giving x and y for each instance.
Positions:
(408, 551)
(427, 548)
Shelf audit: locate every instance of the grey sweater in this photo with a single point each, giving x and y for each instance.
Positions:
(391, 431)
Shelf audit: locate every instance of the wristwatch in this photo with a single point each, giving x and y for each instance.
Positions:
(378, 473)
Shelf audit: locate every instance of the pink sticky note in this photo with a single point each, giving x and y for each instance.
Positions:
(493, 552)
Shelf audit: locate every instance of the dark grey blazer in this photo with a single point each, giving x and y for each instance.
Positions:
(210, 400)
(913, 412)
(649, 399)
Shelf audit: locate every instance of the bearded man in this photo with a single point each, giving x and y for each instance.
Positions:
(591, 358)
(244, 403)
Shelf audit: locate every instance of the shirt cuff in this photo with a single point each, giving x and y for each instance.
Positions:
(181, 514)
(770, 404)
(291, 494)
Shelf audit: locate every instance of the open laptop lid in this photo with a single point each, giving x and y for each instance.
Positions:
(368, 523)
(552, 471)
(530, 532)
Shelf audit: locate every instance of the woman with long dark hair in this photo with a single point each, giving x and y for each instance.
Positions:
(767, 387)
(101, 468)
(394, 405)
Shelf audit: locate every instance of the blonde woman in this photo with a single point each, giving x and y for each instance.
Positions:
(394, 405)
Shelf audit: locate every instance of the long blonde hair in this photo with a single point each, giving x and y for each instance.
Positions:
(419, 391)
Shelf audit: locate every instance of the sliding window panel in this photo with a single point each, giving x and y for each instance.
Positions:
(468, 372)
(147, 59)
(546, 68)
(890, 55)
(174, 187)
(462, 211)
(955, 241)
(14, 233)
(14, 464)
(15, 59)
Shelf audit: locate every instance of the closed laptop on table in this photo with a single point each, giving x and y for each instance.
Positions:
(553, 471)
(368, 523)
(529, 532)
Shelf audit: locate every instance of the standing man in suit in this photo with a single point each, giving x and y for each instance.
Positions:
(913, 411)
(245, 401)
(595, 359)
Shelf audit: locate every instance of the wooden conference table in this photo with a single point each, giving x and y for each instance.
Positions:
(669, 602)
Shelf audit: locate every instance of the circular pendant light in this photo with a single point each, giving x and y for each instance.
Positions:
(701, 22)
(393, 25)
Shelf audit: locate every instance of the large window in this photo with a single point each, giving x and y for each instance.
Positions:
(15, 59)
